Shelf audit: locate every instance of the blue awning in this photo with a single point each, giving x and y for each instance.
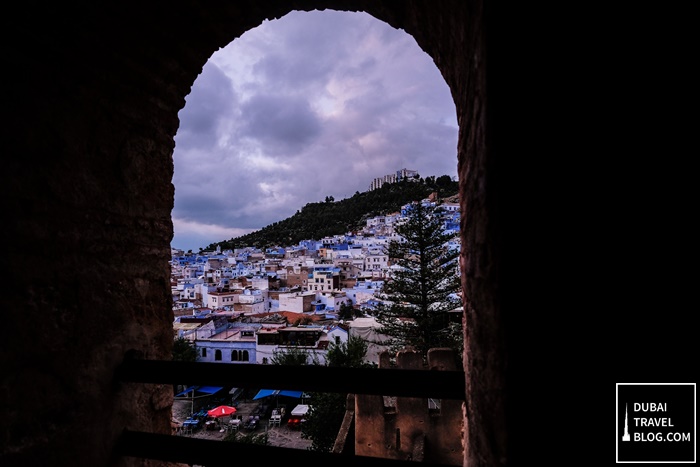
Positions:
(204, 389)
(277, 392)
(186, 391)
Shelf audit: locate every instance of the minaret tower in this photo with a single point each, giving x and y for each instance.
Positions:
(626, 436)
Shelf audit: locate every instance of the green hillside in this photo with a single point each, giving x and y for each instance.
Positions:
(330, 217)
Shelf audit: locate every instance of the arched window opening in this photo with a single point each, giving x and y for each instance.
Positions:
(217, 355)
(350, 101)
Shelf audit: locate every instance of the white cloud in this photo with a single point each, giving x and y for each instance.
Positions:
(313, 104)
(191, 235)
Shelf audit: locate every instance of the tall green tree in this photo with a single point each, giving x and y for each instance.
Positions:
(184, 350)
(348, 312)
(327, 410)
(350, 354)
(417, 299)
(292, 356)
(322, 421)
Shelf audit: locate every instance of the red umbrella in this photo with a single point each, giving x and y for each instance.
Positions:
(221, 411)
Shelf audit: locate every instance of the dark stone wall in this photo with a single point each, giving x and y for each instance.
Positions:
(408, 430)
(92, 91)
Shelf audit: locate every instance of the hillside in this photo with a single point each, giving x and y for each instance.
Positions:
(318, 220)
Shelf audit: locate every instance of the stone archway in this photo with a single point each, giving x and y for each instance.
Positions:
(95, 98)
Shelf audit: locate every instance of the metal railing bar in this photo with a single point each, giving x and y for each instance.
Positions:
(212, 453)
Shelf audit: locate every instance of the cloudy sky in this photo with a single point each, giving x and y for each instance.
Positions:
(314, 104)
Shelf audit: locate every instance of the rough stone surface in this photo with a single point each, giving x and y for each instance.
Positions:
(406, 430)
(93, 90)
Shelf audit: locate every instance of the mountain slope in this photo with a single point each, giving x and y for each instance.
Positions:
(318, 220)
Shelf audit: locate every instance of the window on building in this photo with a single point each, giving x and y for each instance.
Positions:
(217, 355)
(204, 352)
(245, 357)
(234, 355)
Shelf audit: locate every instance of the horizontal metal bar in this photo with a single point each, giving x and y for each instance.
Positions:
(212, 453)
(311, 378)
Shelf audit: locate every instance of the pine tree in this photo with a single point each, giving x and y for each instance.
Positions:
(422, 290)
